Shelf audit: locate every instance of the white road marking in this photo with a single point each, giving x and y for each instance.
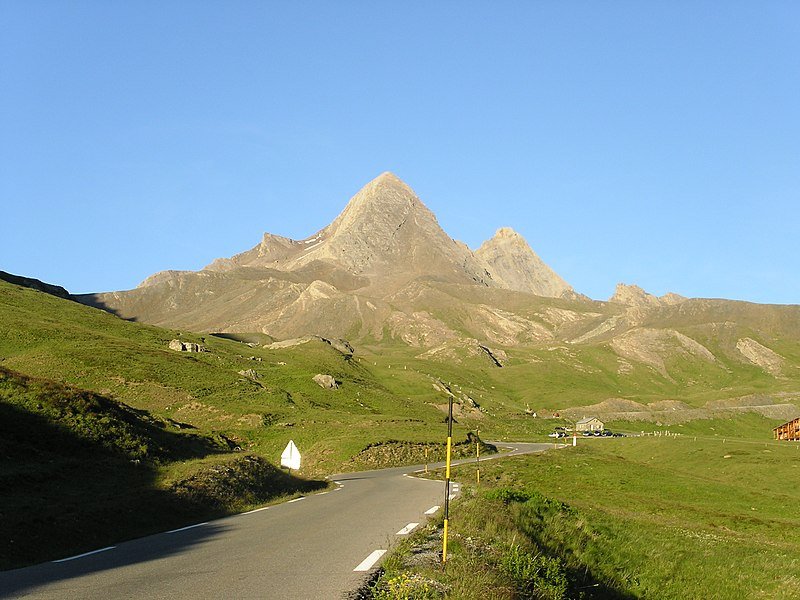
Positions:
(250, 512)
(322, 493)
(407, 529)
(84, 554)
(452, 496)
(295, 500)
(188, 527)
(339, 483)
(432, 510)
(367, 563)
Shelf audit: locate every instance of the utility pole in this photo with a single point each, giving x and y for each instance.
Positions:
(447, 477)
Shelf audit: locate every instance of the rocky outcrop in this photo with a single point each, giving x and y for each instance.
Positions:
(761, 356)
(250, 374)
(515, 266)
(655, 347)
(327, 382)
(633, 295)
(340, 345)
(180, 346)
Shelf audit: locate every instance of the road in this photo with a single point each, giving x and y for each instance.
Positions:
(307, 548)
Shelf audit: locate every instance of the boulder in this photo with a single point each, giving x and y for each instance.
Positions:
(326, 381)
(249, 373)
(180, 346)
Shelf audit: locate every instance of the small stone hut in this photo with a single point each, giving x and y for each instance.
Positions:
(589, 424)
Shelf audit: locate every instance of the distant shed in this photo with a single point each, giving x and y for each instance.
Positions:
(589, 424)
(788, 431)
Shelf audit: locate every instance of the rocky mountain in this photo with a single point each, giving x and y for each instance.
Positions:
(514, 266)
(385, 234)
(382, 260)
(384, 272)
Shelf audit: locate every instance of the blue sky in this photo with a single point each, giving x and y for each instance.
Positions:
(655, 143)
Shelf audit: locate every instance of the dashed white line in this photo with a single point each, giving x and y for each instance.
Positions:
(407, 529)
(432, 510)
(369, 562)
(84, 554)
(250, 512)
(188, 527)
(296, 500)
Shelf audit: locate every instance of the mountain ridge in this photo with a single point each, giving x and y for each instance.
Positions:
(384, 272)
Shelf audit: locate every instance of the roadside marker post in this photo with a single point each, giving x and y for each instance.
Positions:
(447, 478)
(478, 456)
(290, 458)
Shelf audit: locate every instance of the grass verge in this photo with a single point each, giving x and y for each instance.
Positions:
(624, 518)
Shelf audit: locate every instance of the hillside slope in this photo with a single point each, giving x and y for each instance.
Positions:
(385, 275)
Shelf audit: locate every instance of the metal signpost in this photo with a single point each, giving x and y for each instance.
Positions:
(447, 477)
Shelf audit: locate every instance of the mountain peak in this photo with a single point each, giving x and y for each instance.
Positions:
(387, 194)
(388, 178)
(633, 295)
(514, 265)
(507, 233)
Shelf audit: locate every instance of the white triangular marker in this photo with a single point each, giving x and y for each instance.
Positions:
(291, 456)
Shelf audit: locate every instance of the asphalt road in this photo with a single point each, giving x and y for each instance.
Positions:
(304, 549)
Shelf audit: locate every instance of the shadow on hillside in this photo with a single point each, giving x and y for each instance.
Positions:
(62, 494)
(94, 301)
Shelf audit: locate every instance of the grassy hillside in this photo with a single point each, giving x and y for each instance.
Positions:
(275, 400)
(152, 421)
(388, 391)
(79, 471)
(653, 517)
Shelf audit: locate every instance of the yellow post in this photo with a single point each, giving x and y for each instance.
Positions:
(447, 478)
(449, 446)
(478, 461)
(444, 543)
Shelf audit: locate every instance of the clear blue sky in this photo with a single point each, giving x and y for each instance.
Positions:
(655, 143)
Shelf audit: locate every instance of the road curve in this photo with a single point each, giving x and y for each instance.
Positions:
(306, 548)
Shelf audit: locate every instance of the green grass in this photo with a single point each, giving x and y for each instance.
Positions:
(108, 393)
(647, 517)
(79, 471)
